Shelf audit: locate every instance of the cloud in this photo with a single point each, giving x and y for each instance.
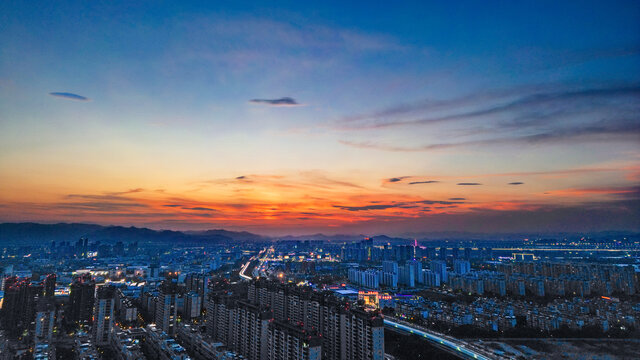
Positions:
(527, 101)
(366, 207)
(397, 179)
(424, 182)
(172, 205)
(199, 208)
(527, 116)
(130, 191)
(285, 101)
(468, 183)
(399, 204)
(69, 96)
(516, 183)
(624, 192)
(247, 44)
(605, 130)
(241, 177)
(457, 199)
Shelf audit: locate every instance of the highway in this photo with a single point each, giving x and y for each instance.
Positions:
(455, 346)
(244, 268)
(262, 256)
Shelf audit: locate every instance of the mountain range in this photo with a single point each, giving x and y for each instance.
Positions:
(29, 232)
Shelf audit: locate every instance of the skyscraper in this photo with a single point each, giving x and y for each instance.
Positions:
(44, 320)
(19, 303)
(192, 305)
(440, 268)
(81, 299)
(167, 307)
(365, 336)
(50, 285)
(103, 314)
(461, 266)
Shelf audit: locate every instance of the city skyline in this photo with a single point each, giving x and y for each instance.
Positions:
(336, 118)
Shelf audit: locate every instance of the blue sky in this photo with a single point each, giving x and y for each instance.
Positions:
(158, 96)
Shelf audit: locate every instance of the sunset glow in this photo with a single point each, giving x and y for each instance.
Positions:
(296, 122)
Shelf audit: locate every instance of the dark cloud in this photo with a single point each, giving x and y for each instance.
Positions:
(69, 96)
(397, 179)
(424, 182)
(199, 208)
(241, 177)
(399, 204)
(367, 207)
(468, 183)
(432, 202)
(457, 199)
(172, 205)
(285, 101)
(516, 183)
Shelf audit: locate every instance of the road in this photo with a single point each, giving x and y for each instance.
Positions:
(454, 346)
(262, 255)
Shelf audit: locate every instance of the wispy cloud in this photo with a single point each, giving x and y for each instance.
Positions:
(605, 130)
(514, 107)
(199, 208)
(399, 204)
(282, 102)
(468, 184)
(69, 96)
(625, 192)
(526, 116)
(424, 182)
(516, 183)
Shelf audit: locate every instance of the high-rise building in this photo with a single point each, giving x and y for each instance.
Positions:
(19, 303)
(467, 253)
(390, 266)
(430, 278)
(192, 305)
(443, 253)
(347, 332)
(365, 334)
(81, 299)
(103, 314)
(415, 266)
(118, 248)
(81, 247)
(461, 266)
(44, 320)
(50, 285)
(406, 276)
(198, 283)
(167, 307)
(440, 268)
(154, 271)
(292, 342)
(250, 333)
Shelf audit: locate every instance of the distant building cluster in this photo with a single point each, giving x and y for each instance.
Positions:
(316, 300)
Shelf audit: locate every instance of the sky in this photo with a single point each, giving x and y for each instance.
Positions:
(294, 117)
